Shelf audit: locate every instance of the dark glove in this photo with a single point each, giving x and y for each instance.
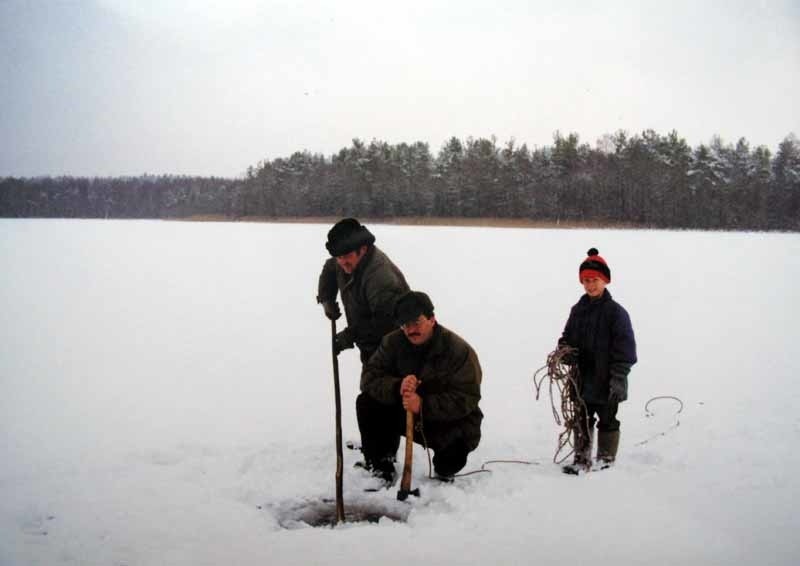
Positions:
(342, 341)
(617, 390)
(570, 355)
(331, 309)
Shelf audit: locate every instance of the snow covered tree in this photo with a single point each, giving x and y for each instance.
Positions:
(785, 194)
(448, 175)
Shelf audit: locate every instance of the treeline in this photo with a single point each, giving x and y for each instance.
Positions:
(147, 196)
(645, 180)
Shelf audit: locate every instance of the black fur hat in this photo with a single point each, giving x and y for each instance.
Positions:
(348, 235)
(409, 306)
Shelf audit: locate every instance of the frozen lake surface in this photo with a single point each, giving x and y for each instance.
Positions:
(166, 397)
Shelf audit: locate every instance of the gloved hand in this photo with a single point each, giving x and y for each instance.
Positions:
(570, 355)
(342, 341)
(616, 389)
(331, 309)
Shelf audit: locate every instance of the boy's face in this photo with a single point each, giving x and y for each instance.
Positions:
(594, 286)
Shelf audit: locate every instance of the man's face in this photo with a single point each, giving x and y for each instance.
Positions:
(349, 261)
(420, 330)
(594, 286)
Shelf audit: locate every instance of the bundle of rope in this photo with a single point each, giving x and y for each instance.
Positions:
(564, 379)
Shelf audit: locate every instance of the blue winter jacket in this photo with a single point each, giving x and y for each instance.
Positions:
(602, 332)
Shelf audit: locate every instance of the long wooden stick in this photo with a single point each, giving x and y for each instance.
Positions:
(405, 482)
(339, 452)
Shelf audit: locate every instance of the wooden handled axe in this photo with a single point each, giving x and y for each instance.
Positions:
(405, 482)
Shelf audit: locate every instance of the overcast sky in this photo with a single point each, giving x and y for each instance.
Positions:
(201, 87)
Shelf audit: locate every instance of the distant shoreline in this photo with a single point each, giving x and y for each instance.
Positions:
(421, 221)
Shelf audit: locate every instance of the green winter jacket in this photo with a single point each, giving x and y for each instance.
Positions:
(451, 383)
(368, 296)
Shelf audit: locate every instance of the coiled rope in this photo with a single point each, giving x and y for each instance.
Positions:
(565, 379)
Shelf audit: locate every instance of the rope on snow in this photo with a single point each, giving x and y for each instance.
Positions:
(648, 414)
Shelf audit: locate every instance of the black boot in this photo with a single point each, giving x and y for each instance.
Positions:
(444, 479)
(382, 469)
(607, 445)
(582, 462)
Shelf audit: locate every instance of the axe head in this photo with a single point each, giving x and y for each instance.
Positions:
(403, 494)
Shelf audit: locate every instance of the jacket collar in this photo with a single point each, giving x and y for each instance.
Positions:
(434, 346)
(362, 265)
(604, 298)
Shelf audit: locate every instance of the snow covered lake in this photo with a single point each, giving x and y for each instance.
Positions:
(166, 396)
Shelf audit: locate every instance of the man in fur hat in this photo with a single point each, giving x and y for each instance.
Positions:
(369, 284)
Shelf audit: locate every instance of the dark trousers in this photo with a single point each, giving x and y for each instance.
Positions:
(604, 414)
(365, 354)
(382, 426)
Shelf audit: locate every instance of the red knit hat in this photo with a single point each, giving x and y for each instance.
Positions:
(594, 266)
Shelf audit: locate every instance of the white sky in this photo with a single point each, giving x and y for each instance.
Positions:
(124, 87)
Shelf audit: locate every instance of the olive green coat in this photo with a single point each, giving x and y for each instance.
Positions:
(451, 383)
(368, 296)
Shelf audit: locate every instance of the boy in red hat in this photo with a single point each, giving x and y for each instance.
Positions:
(600, 329)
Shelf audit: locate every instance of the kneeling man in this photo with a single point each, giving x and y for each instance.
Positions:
(424, 368)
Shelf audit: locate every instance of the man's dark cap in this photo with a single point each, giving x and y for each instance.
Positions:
(348, 235)
(409, 306)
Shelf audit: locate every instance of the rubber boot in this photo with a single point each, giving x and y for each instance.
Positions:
(384, 470)
(582, 462)
(607, 445)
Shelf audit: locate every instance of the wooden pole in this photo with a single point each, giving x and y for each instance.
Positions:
(339, 454)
